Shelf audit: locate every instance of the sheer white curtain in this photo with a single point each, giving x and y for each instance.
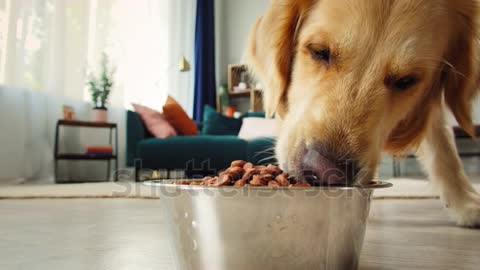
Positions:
(46, 49)
(49, 45)
(147, 39)
(44, 44)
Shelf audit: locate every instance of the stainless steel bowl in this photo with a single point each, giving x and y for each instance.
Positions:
(261, 228)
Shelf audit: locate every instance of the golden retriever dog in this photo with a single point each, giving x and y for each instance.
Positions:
(350, 79)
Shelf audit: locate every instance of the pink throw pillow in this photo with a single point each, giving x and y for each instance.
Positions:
(155, 122)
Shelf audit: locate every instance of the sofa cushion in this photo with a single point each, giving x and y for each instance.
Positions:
(155, 122)
(179, 119)
(215, 123)
(192, 152)
(257, 128)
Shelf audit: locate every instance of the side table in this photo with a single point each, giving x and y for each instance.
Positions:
(68, 156)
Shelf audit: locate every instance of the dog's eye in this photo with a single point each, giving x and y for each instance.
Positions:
(405, 83)
(321, 54)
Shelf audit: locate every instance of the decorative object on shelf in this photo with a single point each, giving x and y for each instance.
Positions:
(240, 87)
(184, 65)
(99, 151)
(100, 89)
(230, 112)
(239, 78)
(241, 84)
(68, 113)
(222, 98)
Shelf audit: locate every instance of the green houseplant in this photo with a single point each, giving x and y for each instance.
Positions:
(100, 88)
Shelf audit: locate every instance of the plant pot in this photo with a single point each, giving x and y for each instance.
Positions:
(100, 115)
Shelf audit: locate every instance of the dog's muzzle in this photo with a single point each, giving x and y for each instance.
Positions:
(324, 169)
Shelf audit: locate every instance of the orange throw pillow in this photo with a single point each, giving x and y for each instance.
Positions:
(178, 118)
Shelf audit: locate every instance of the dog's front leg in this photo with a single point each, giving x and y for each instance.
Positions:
(439, 156)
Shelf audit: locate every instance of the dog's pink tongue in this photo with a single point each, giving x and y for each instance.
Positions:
(325, 172)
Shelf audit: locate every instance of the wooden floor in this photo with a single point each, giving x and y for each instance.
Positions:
(127, 234)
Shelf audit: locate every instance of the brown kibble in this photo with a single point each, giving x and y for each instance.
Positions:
(270, 169)
(273, 184)
(204, 181)
(267, 177)
(243, 174)
(257, 181)
(282, 179)
(248, 166)
(182, 183)
(264, 171)
(274, 169)
(249, 174)
(196, 183)
(238, 163)
(225, 180)
(240, 183)
(211, 182)
(236, 172)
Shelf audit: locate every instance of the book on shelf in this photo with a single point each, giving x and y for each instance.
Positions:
(99, 151)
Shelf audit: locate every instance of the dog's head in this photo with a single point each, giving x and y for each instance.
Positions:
(349, 78)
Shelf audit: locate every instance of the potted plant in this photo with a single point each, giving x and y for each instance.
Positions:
(100, 89)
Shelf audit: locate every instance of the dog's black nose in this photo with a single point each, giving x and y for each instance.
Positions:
(324, 169)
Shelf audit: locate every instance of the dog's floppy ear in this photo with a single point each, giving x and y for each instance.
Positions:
(461, 76)
(271, 50)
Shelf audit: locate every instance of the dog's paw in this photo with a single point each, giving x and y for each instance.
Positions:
(468, 215)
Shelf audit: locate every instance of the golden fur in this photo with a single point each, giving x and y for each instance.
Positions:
(349, 104)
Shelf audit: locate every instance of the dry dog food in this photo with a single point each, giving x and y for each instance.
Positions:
(243, 174)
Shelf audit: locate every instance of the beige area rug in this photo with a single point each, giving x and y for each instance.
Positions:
(402, 189)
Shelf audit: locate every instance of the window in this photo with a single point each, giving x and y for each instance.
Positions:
(51, 45)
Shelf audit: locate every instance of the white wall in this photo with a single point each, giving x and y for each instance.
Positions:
(234, 21)
(27, 132)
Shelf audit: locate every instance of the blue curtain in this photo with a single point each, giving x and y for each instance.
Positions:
(205, 83)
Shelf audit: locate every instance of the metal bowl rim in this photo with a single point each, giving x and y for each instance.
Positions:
(160, 183)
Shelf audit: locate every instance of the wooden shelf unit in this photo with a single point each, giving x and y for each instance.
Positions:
(255, 96)
(74, 156)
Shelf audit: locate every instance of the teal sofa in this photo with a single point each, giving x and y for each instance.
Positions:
(198, 156)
